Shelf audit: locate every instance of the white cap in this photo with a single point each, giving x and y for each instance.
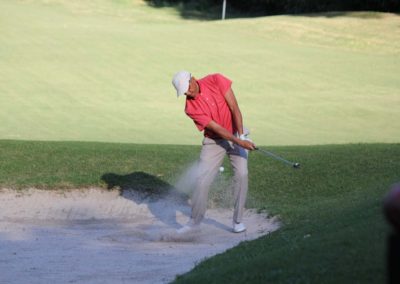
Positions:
(181, 82)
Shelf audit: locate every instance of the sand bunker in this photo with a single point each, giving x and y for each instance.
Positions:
(100, 236)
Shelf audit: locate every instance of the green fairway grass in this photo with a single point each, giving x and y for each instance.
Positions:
(101, 71)
(331, 208)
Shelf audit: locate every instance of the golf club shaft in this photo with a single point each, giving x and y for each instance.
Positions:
(275, 156)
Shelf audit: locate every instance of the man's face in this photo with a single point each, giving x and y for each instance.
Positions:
(193, 88)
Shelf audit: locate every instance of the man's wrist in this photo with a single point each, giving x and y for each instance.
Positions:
(236, 139)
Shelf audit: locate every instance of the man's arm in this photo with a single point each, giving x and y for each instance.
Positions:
(225, 134)
(234, 107)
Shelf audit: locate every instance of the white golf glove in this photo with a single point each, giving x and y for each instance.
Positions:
(245, 137)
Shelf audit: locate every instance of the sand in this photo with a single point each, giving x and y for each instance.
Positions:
(101, 236)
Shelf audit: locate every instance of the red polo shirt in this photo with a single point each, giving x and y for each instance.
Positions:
(210, 104)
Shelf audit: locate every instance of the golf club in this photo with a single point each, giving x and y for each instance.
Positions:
(270, 154)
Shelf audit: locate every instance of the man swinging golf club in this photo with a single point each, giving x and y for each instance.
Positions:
(211, 104)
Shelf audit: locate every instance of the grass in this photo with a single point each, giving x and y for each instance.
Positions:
(333, 229)
(79, 165)
(101, 71)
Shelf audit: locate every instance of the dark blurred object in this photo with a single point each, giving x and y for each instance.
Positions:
(391, 207)
(394, 259)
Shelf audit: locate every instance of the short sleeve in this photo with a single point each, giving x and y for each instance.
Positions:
(224, 84)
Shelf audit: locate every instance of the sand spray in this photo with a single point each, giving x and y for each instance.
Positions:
(221, 191)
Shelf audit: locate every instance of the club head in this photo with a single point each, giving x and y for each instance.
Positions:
(296, 165)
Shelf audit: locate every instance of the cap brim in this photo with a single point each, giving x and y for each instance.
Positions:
(182, 89)
(181, 82)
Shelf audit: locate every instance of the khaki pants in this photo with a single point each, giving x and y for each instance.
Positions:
(211, 157)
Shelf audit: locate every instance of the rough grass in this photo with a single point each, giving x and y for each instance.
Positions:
(333, 230)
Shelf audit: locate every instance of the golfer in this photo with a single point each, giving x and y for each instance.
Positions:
(211, 104)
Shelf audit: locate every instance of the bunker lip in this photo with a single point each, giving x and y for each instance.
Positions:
(100, 235)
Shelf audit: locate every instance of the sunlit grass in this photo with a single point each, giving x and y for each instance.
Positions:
(101, 71)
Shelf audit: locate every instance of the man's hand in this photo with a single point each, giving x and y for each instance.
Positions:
(247, 145)
(225, 134)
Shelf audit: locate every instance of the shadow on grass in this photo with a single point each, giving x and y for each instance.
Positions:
(189, 11)
(200, 10)
(144, 188)
(137, 181)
